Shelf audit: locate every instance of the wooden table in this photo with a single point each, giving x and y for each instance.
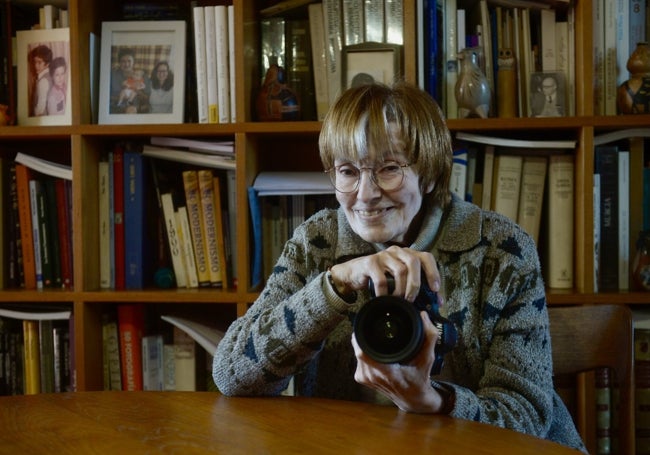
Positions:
(199, 422)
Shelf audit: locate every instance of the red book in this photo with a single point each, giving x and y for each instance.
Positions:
(65, 233)
(130, 323)
(23, 174)
(118, 216)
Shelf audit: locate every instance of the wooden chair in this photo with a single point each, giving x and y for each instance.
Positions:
(588, 337)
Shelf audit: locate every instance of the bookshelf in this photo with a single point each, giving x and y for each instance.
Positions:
(270, 146)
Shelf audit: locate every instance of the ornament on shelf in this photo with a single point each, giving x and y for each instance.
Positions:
(472, 88)
(633, 95)
(276, 100)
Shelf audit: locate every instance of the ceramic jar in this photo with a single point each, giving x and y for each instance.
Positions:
(472, 89)
(633, 95)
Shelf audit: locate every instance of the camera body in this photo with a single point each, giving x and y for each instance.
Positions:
(389, 329)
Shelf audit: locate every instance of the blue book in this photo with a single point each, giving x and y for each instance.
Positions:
(134, 219)
(256, 221)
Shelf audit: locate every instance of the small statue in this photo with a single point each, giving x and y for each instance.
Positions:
(633, 95)
(472, 88)
(277, 101)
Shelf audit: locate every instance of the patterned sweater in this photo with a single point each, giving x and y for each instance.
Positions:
(501, 368)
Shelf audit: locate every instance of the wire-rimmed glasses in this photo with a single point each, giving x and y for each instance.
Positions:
(388, 176)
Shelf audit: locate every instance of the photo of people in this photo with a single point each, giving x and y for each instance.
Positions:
(47, 78)
(141, 80)
(547, 95)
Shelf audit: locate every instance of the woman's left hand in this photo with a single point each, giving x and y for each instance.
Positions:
(407, 385)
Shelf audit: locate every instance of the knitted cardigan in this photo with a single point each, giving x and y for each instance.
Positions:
(501, 368)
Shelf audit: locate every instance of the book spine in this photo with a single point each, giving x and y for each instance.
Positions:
(223, 63)
(211, 64)
(175, 247)
(373, 16)
(111, 349)
(220, 217)
(135, 219)
(152, 362)
(53, 237)
(394, 14)
(607, 166)
(533, 178)
(32, 362)
(610, 57)
(118, 217)
(104, 222)
(603, 392)
(623, 215)
(559, 222)
(353, 25)
(198, 21)
(318, 52)
(231, 246)
(548, 49)
(23, 175)
(300, 75)
(64, 221)
(332, 23)
(210, 220)
(46, 355)
(256, 221)
(185, 240)
(642, 386)
(231, 63)
(458, 180)
(130, 319)
(451, 58)
(507, 184)
(34, 190)
(195, 214)
(184, 361)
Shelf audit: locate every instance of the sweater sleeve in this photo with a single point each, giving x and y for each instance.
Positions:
(286, 326)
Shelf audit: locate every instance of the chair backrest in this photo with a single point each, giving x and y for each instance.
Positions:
(588, 337)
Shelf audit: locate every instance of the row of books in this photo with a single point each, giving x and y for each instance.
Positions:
(37, 223)
(621, 197)
(524, 180)
(140, 354)
(35, 350)
(214, 41)
(162, 223)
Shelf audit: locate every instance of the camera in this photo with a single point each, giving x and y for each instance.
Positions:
(389, 328)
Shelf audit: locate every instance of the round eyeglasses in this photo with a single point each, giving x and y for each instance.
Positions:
(388, 176)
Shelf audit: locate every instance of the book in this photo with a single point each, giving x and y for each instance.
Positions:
(488, 171)
(185, 358)
(319, 61)
(332, 24)
(211, 63)
(623, 259)
(394, 21)
(458, 180)
(52, 245)
(373, 18)
(533, 179)
(23, 175)
(516, 143)
(211, 219)
(548, 48)
(198, 23)
(46, 354)
(603, 396)
(606, 165)
(137, 239)
(35, 192)
(189, 157)
(118, 263)
(175, 247)
(206, 335)
(104, 209)
(450, 58)
(220, 147)
(63, 190)
(353, 23)
(35, 312)
(641, 324)
(559, 272)
(32, 361)
(299, 70)
(111, 352)
(152, 362)
(197, 225)
(45, 167)
(130, 322)
(187, 247)
(256, 262)
(273, 183)
(232, 77)
(598, 34)
(506, 184)
(220, 222)
(62, 357)
(609, 57)
(223, 63)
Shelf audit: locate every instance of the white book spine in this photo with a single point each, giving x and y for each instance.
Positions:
(231, 63)
(175, 247)
(559, 222)
(183, 223)
(488, 170)
(458, 180)
(549, 47)
(211, 64)
(451, 58)
(223, 62)
(394, 14)
(373, 16)
(199, 57)
(332, 25)
(353, 25)
(318, 52)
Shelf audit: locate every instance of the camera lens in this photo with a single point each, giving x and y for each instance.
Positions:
(389, 329)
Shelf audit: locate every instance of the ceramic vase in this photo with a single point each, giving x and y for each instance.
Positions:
(633, 95)
(472, 88)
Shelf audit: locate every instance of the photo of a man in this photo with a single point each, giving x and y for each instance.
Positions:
(547, 95)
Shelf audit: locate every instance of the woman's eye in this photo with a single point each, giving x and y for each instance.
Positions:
(348, 171)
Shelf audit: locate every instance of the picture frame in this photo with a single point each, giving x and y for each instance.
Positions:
(142, 72)
(43, 56)
(367, 62)
(545, 86)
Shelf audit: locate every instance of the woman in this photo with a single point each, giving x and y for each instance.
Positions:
(56, 97)
(161, 98)
(389, 155)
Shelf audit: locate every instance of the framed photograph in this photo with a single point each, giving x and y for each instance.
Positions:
(43, 65)
(142, 72)
(547, 94)
(368, 62)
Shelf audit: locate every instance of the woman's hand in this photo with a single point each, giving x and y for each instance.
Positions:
(405, 265)
(406, 385)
